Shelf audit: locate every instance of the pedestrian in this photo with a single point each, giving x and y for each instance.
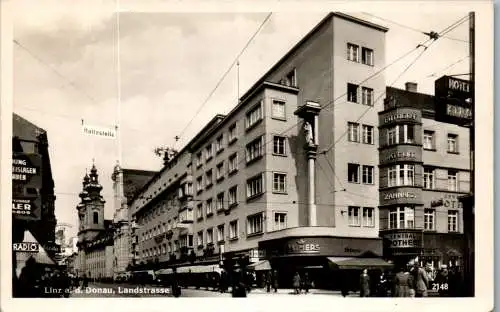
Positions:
(239, 287)
(381, 287)
(421, 280)
(306, 283)
(268, 281)
(402, 283)
(364, 284)
(28, 280)
(296, 283)
(223, 281)
(442, 282)
(275, 280)
(176, 289)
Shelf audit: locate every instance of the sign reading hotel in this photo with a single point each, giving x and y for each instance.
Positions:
(453, 100)
(453, 88)
(404, 240)
(26, 185)
(103, 132)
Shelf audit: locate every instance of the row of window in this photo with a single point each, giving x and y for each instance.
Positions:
(252, 117)
(354, 135)
(367, 55)
(430, 182)
(429, 142)
(96, 265)
(367, 94)
(366, 218)
(354, 171)
(404, 218)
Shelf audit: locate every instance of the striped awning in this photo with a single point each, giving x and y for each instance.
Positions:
(263, 265)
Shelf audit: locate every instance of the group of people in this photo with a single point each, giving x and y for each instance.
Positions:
(301, 283)
(413, 281)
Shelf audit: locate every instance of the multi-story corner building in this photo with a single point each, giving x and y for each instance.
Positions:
(289, 175)
(125, 183)
(424, 170)
(95, 234)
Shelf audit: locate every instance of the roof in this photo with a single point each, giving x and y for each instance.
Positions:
(134, 180)
(412, 99)
(24, 129)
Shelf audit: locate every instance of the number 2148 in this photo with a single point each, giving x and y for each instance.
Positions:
(437, 286)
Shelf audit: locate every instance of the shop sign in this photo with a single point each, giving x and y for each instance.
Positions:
(26, 247)
(400, 116)
(398, 195)
(458, 111)
(302, 246)
(22, 206)
(448, 201)
(404, 240)
(452, 87)
(256, 253)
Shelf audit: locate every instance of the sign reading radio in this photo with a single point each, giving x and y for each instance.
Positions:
(26, 247)
(301, 246)
(404, 240)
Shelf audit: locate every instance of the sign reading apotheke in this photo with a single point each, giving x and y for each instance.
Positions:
(404, 240)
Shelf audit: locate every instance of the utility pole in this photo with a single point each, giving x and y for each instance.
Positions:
(472, 65)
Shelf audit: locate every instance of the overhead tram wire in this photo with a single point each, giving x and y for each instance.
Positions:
(412, 28)
(446, 30)
(236, 60)
(448, 67)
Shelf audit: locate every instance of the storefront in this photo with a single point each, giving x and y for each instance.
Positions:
(327, 260)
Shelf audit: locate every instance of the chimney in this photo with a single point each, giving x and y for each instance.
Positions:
(411, 86)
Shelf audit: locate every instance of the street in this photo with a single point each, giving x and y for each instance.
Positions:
(129, 290)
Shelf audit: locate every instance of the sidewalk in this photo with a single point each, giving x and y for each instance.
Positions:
(285, 291)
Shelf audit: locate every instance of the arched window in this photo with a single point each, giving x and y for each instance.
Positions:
(96, 217)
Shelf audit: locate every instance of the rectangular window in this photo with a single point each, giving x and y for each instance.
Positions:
(367, 56)
(220, 201)
(209, 152)
(279, 221)
(367, 134)
(291, 79)
(279, 182)
(199, 184)
(353, 131)
(233, 200)
(219, 143)
(255, 224)
(199, 238)
(208, 178)
(368, 173)
(199, 161)
(255, 149)
(402, 218)
(452, 143)
(210, 206)
(233, 229)
(353, 214)
(233, 163)
(368, 216)
(409, 134)
(353, 173)
(352, 52)
(255, 186)
(352, 93)
(253, 116)
(428, 143)
(429, 219)
(219, 174)
(199, 211)
(452, 221)
(233, 135)
(210, 236)
(428, 178)
(400, 175)
(452, 180)
(392, 135)
(279, 145)
(367, 96)
(220, 233)
(278, 109)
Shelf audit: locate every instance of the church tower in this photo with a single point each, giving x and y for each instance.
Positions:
(91, 207)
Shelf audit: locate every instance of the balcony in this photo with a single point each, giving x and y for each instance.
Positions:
(186, 216)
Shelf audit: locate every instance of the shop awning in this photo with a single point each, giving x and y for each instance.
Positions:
(198, 269)
(263, 265)
(164, 271)
(358, 263)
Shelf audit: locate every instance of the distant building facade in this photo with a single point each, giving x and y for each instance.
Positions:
(125, 183)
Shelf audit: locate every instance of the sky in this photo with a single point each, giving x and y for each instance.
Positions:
(66, 71)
